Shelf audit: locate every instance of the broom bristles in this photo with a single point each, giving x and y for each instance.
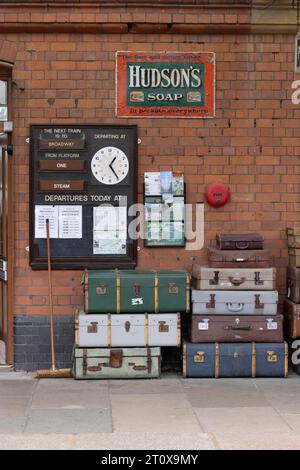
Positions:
(57, 373)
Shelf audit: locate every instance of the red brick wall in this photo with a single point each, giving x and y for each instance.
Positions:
(252, 144)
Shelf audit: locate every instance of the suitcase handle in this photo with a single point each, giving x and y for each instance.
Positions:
(234, 309)
(242, 245)
(236, 281)
(240, 260)
(243, 328)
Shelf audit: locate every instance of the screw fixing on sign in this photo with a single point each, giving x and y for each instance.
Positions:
(217, 194)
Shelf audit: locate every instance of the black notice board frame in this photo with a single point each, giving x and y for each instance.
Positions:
(37, 260)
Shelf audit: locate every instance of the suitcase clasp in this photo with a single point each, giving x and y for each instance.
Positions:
(212, 302)
(173, 289)
(137, 289)
(258, 304)
(163, 328)
(257, 280)
(199, 357)
(101, 290)
(92, 327)
(236, 355)
(271, 356)
(127, 326)
(215, 280)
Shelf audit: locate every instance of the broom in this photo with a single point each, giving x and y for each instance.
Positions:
(53, 372)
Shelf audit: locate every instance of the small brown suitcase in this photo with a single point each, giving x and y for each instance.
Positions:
(237, 241)
(237, 258)
(292, 318)
(230, 328)
(293, 284)
(293, 237)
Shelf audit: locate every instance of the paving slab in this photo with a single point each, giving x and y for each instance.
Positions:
(71, 399)
(11, 406)
(16, 387)
(165, 385)
(116, 441)
(70, 384)
(293, 420)
(258, 441)
(230, 419)
(155, 412)
(73, 421)
(222, 394)
(11, 424)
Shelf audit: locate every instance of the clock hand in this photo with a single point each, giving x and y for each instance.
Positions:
(110, 166)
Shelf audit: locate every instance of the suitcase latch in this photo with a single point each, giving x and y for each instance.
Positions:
(137, 289)
(127, 326)
(215, 280)
(258, 304)
(212, 302)
(271, 356)
(116, 358)
(163, 328)
(199, 357)
(101, 290)
(92, 327)
(257, 280)
(236, 355)
(173, 289)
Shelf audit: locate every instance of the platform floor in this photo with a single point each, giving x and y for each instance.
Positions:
(167, 413)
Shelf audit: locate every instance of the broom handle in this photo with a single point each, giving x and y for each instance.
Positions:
(50, 295)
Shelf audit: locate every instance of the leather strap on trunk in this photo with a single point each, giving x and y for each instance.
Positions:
(149, 361)
(155, 291)
(146, 330)
(86, 290)
(253, 360)
(84, 362)
(116, 358)
(109, 330)
(188, 302)
(118, 293)
(217, 361)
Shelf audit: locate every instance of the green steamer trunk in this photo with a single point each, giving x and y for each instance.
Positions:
(136, 291)
(123, 363)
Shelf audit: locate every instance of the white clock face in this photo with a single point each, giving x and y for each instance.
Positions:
(110, 165)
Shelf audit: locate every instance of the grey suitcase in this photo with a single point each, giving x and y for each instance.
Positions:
(123, 363)
(234, 302)
(106, 330)
(205, 278)
(235, 360)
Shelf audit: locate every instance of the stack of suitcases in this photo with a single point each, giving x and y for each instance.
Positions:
(128, 317)
(235, 330)
(292, 303)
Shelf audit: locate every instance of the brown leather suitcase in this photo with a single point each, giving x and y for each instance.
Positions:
(293, 237)
(293, 284)
(231, 328)
(292, 318)
(237, 241)
(239, 258)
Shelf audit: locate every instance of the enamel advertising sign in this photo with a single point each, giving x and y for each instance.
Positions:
(165, 84)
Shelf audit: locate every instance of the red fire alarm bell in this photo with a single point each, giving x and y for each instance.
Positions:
(217, 194)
